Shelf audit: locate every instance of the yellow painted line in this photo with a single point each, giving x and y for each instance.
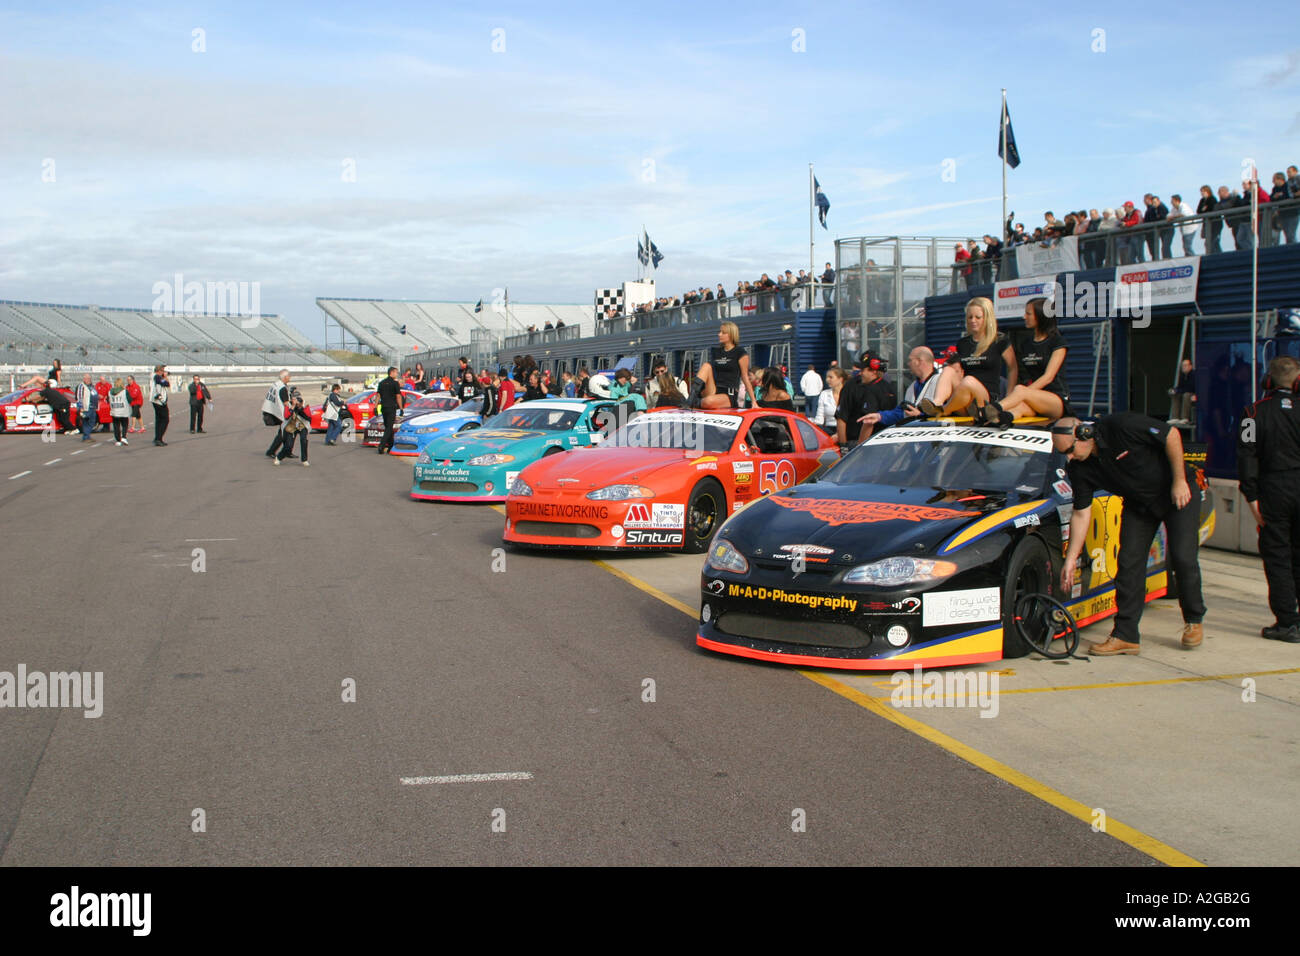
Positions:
(500, 508)
(1120, 831)
(1133, 683)
(649, 589)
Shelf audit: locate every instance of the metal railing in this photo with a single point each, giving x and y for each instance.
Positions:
(798, 298)
(1223, 230)
(543, 337)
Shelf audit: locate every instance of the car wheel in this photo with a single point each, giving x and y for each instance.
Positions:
(705, 511)
(1029, 572)
(553, 450)
(466, 427)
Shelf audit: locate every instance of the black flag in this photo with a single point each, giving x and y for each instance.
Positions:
(479, 306)
(1013, 154)
(823, 204)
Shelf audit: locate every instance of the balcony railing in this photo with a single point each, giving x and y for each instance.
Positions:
(543, 337)
(1203, 234)
(798, 298)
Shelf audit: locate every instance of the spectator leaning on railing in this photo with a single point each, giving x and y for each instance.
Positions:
(1180, 210)
(1287, 220)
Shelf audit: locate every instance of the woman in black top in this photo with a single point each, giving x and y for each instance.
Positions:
(1039, 361)
(975, 378)
(1210, 228)
(718, 382)
(55, 371)
(774, 393)
(468, 387)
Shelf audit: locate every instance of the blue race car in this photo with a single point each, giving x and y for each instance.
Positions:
(481, 466)
(420, 428)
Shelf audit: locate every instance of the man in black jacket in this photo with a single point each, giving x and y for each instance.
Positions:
(59, 405)
(1141, 460)
(390, 400)
(869, 392)
(1268, 467)
(199, 396)
(1156, 212)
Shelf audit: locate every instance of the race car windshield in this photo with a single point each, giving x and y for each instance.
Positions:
(663, 431)
(11, 397)
(360, 397)
(472, 407)
(942, 465)
(433, 404)
(536, 419)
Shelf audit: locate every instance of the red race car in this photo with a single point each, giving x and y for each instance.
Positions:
(27, 411)
(361, 407)
(665, 480)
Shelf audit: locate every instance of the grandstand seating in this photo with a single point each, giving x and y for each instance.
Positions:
(34, 332)
(377, 323)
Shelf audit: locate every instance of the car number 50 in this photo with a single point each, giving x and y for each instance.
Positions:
(775, 475)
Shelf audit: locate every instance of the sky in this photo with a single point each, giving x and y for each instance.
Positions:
(420, 151)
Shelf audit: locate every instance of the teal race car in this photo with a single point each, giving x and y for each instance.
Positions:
(480, 465)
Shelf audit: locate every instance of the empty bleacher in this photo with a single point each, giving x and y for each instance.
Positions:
(33, 332)
(379, 323)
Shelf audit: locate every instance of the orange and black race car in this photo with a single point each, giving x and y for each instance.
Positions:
(914, 550)
(665, 480)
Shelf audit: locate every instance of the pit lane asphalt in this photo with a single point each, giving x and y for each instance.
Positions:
(223, 689)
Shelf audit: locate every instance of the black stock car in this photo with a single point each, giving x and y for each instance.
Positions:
(913, 549)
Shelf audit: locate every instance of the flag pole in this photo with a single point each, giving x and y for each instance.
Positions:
(812, 201)
(1254, 280)
(1003, 134)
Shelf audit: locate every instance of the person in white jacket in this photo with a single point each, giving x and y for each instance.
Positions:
(829, 401)
(1180, 210)
(811, 386)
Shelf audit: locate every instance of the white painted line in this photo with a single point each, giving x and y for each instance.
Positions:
(210, 539)
(78, 452)
(469, 778)
(19, 475)
(54, 461)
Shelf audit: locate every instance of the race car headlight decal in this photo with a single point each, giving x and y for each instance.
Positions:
(424, 458)
(620, 493)
(425, 429)
(893, 572)
(491, 460)
(724, 557)
(520, 487)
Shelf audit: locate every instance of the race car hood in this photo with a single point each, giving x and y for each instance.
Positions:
(598, 466)
(856, 522)
(486, 441)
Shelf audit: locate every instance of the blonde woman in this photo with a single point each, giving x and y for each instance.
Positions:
(718, 382)
(1036, 384)
(829, 400)
(974, 378)
(119, 406)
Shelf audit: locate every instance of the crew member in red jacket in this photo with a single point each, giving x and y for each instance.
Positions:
(136, 397)
(103, 413)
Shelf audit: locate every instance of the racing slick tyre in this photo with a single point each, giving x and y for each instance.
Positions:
(705, 510)
(466, 427)
(1028, 572)
(554, 450)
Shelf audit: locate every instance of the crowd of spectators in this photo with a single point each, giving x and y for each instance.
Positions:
(773, 290)
(977, 264)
